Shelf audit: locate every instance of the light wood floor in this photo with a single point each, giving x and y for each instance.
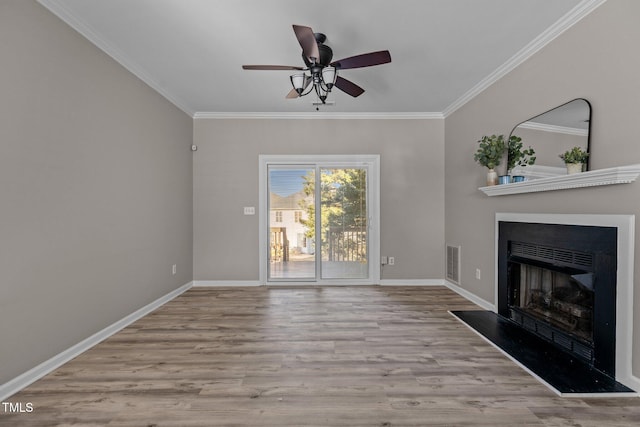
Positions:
(352, 356)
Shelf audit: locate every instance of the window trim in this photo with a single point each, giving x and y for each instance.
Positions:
(371, 161)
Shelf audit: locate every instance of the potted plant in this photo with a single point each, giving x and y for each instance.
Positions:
(517, 156)
(490, 154)
(574, 159)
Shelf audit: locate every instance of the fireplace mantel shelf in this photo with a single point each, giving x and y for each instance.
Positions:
(609, 176)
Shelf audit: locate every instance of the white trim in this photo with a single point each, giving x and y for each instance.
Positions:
(116, 54)
(225, 283)
(624, 278)
(323, 284)
(318, 115)
(470, 296)
(371, 161)
(554, 129)
(581, 10)
(593, 178)
(21, 381)
(572, 17)
(412, 282)
(533, 374)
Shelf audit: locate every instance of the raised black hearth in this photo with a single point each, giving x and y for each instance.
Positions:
(556, 302)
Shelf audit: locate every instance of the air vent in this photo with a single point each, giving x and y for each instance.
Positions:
(453, 264)
(552, 255)
(583, 259)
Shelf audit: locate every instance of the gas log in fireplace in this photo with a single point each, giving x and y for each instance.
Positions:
(559, 283)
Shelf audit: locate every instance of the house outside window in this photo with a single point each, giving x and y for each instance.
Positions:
(278, 216)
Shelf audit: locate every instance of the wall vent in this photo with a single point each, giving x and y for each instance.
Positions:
(453, 264)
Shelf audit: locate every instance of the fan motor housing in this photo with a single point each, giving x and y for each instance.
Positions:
(326, 54)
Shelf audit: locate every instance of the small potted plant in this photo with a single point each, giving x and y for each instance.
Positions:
(517, 156)
(490, 154)
(574, 159)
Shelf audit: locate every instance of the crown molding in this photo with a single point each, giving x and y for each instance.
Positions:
(74, 22)
(317, 115)
(581, 10)
(553, 128)
(572, 17)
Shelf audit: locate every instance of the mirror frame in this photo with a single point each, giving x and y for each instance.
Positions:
(588, 163)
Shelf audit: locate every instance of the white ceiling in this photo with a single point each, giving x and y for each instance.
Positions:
(443, 51)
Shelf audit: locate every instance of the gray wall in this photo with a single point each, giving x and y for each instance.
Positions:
(95, 189)
(226, 179)
(597, 59)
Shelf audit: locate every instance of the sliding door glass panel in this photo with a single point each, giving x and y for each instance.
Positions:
(343, 223)
(291, 223)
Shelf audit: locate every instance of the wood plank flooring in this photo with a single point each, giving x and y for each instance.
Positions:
(317, 356)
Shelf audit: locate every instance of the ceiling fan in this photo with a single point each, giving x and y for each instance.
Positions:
(320, 73)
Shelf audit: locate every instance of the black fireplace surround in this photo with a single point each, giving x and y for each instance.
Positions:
(559, 283)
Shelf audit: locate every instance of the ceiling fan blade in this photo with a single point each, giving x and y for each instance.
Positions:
(348, 87)
(307, 40)
(292, 94)
(271, 67)
(364, 60)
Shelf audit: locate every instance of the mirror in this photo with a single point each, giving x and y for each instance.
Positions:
(551, 134)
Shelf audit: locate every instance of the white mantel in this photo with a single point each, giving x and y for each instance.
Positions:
(617, 175)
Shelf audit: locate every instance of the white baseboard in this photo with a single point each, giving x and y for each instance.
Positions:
(413, 282)
(246, 283)
(471, 297)
(225, 283)
(15, 385)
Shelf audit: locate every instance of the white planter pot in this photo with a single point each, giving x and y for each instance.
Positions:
(574, 168)
(492, 177)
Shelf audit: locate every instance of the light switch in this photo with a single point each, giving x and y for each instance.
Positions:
(249, 210)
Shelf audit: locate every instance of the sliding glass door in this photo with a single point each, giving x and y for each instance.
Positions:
(291, 228)
(320, 217)
(343, 223)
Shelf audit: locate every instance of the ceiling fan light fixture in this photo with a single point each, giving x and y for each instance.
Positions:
(329, 76)
(322, 93)
(297, 81)
(321, 75)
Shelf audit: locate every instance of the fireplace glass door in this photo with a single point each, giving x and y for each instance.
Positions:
(562, 299)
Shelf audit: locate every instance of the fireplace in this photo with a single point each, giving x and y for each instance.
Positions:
(559, 282)
(556, 303)
(564, 300)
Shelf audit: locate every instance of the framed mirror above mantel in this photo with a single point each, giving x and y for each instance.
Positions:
(551, 134)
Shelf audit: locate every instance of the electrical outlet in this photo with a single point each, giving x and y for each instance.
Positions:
(478, 273)
(383, 260)
(392, 260)
(173, 269)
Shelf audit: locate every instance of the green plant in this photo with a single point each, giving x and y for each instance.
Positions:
(517, 156)
(575, 155)
(490, 151)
